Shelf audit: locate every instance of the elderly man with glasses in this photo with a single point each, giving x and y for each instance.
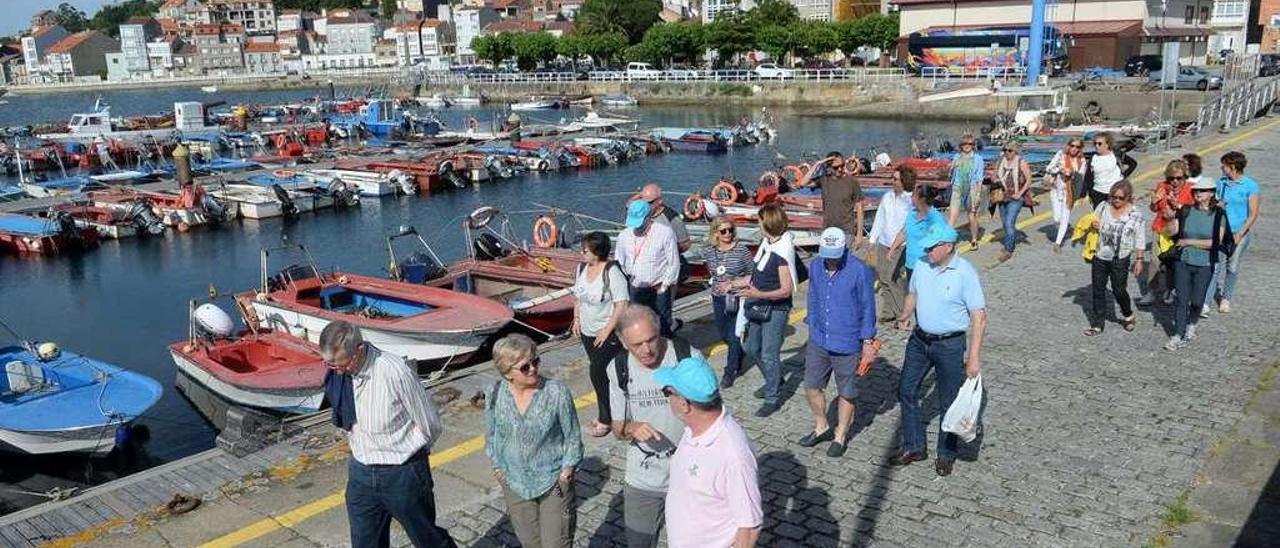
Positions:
(391, 426)
(949, 309)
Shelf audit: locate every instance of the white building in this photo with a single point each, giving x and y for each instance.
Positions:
(190, 12)
(254, 16)
(263, 58)
(814, 10)
(134, 36)
(713, 8)
(350, 32)
(34, 48)
(467, 24)
(1229, 20)
(428, 43)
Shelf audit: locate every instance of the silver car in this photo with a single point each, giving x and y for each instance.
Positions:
(1192, 78)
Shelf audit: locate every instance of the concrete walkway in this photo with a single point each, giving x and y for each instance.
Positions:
(1085, 441)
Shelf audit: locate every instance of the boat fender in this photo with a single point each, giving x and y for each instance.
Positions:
(693, 208)
(545, 231)
(488, 247)
(213, 321)
(797, 171)
(481, 217)
(181, 504)
(48, 351)
(724, 193)
(543, 165)
(284, 173)
(183, 226)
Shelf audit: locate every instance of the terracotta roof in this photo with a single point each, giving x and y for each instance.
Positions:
(207, 29)
(1100, 28)
(413, 25)
(173, 4)
(261, 47)
(563, 26)
(351, 17)
(139, 20)
(513, 26)
(71, 42)
(669, 15)
(503, 4)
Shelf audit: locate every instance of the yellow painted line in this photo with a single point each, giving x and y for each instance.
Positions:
(1046, 215)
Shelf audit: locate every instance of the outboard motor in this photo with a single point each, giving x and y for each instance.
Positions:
(405, 183)
(212, 322)
(287, 206)
(496, 168)
(488, 247)
(146, 220)
(420, 268)
(343, 195)
(67, 226)
(215, 209)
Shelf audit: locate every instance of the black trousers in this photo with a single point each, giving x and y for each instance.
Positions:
(598, 360)
(1116, 272)
(1096, 198)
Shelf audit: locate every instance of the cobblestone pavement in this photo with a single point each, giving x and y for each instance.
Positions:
(1085, 442)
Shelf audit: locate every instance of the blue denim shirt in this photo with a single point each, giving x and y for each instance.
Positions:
(531, 449)
(842, 305)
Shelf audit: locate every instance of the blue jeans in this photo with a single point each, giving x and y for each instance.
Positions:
(1192, 283)
(764, 345)
(1010, 217)
(724, 328)
(378, 493)
(1224, 285)
(946, 358)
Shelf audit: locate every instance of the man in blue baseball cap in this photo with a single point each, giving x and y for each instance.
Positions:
(649, 255)
(842, 325)
(950, 314)
(714, 494)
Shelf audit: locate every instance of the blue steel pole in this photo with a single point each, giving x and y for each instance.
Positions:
(1035, 57)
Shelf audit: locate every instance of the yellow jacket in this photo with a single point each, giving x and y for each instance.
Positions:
(1084, 230)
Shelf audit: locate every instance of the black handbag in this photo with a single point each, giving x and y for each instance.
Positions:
(731, 303)
(757, 310)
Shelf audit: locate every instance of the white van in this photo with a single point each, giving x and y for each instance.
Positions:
(642, 71)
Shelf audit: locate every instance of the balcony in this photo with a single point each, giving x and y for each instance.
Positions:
(1229, 13)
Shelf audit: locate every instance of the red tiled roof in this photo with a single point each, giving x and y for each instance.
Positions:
(412, 26)
(513, 26)
(173, 4)
(563, 26)
(261, 47)
(71, 42)
(208, 29)
(139, 20)
(502, 4)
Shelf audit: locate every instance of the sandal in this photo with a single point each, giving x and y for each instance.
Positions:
(1093, 332)
(1130, 323)
(599, 429)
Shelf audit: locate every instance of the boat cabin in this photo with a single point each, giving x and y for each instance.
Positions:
(93, 123)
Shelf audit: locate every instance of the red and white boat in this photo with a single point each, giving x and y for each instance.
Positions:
(50, 236)
(420, 323)
(267, 370)
(536, 283)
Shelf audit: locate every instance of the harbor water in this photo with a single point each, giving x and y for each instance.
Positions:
(127, 300)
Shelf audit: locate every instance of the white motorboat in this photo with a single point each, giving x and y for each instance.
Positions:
(86, 127)
(258, 202)
(619, 101)
(593, 121)
(534, 104)
(369, 183)
(434, 101)
(209, 89)
(467, 101)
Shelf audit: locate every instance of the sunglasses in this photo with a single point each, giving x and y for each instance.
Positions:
(1118, 198)
(532, 366)
(1178, 178)
(668, 391)
(725, 231)
(1010, 150)
(1099, 143)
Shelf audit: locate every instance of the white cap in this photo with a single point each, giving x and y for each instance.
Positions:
(831, 244)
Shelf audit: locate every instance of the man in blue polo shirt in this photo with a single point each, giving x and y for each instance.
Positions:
(1240, 199)
(920, 219)
(842, 325)
(951, 318)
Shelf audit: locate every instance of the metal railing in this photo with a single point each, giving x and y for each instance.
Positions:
(1237, 106)
(973, 73)
(689, 75)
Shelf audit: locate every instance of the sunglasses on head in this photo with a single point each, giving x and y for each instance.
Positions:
(532, 366)
(1203, 190)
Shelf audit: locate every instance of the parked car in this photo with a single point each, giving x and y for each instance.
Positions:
(1269, 64)
(642, 71)
(1142, 65)
(827, 67)
(773, 71)
(1193, 78)
(682, 71)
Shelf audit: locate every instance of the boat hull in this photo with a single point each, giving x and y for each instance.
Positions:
(98, 440)
(290, 401)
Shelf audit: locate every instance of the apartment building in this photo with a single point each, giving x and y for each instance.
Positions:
(134, 36)
(254, 16)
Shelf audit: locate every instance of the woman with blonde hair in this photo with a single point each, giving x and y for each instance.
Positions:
(727, 258)
(766, 303)
(1014, 176)
(533, 439)
(1065, 172)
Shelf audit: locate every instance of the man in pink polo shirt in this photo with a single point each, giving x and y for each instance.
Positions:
(713, 499)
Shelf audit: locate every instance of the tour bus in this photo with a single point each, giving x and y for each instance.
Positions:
(988, 47)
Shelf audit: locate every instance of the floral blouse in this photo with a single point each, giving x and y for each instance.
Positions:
(531, 449)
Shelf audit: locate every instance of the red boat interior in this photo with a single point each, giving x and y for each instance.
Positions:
(249, 356)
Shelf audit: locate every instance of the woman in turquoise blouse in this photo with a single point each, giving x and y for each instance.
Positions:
(534, 441)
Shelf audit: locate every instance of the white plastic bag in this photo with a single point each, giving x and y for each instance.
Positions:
(962, 417)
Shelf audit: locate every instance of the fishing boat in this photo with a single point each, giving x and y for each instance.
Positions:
(10, 193)
(54, 401)
(535, 103)
(190, 207)
(50, 236)
(220, 368)
(434, 101)
(619, 101)
(593, 121)
(110, 223)
(467, 100)
(424, 324)
(370, 183)
(535, 283)
(88, 126)
(62, 186)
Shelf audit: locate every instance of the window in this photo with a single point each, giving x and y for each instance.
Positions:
(1204, 15)
(1229, 9)
(1190, 15)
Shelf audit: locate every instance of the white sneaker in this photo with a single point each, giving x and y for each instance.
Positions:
(1170, 296)
(1175, 342)
(1204, 311)
(1224, 306)
(1147, 299)
(1191, 332)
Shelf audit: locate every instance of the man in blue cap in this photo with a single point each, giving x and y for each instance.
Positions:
(950, 320)
(649, 255)
(842, 325)
(714, 495)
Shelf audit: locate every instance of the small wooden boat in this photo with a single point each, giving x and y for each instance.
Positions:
(57, 234)
(619, 101)
(54, 401)
(264, 370)
(535, 283)
(425, 324)
(535, 103)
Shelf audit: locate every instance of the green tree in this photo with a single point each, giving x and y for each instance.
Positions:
(630, 17)
(573, 46)
(530, 48)
(730, 35)
(882, 33)
(674, 42)
(494, 48)
(775, 40)
(71, 18)
(773, 12)
(604, 48)
(388, 9)
(108, 19)
(813, 38)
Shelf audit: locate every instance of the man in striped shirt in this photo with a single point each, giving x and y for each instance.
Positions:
(649, 255)
(391, 424)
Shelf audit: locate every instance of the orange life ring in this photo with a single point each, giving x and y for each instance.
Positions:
(724, 193)
(694, 209)
(799, 171)
(284, 173)
(545, 231)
